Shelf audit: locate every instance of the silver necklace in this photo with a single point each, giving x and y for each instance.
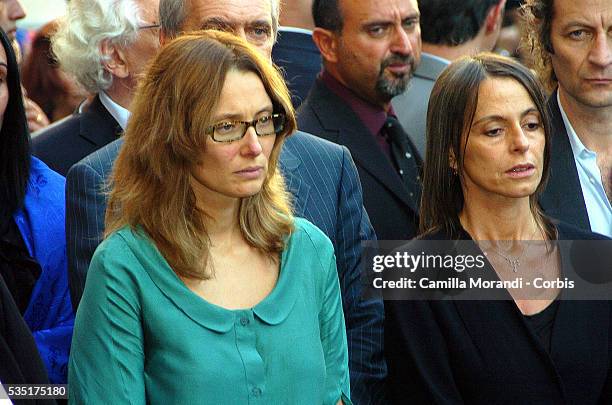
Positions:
(512, 262)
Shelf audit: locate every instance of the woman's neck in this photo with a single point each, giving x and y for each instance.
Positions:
(510, 219)
(222, 222)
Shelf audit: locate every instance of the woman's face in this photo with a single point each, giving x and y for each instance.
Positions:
(237, 169)
(505, 148)
(4, 96)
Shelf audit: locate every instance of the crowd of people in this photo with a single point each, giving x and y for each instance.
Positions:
(192, 226)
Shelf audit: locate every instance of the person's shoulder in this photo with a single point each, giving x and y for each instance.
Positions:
(304, 140)
(58, 132)
(121, 245)
(101, 161)
(46, 186)
(306, 234)
(571, 232)
(40, 168)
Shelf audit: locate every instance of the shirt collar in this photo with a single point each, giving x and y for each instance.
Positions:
(120, 114)
(373, 117)
(578, 148)
(284, 28)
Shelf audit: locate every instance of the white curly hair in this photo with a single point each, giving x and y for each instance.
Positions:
(87, 25)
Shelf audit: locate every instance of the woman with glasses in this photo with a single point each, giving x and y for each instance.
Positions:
(206, 288)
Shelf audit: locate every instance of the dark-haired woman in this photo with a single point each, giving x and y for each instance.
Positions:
(32, 238)
(488, 156)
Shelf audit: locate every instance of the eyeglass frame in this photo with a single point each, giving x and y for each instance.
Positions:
(210, 131)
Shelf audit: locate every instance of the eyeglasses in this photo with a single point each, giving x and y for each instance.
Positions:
(146, 27)
(230, 131)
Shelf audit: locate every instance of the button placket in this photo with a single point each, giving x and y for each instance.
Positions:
(246, 343)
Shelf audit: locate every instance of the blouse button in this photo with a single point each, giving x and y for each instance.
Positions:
(244, 321)
(256, 391)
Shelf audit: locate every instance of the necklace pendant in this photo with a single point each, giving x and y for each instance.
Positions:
(515, 263)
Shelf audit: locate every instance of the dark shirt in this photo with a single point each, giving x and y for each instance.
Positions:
(18, 269)
(373, 117)
(542, 324)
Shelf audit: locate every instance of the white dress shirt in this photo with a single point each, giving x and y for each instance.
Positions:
(597, 203)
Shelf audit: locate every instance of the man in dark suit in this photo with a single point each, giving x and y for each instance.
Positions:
(321, 177)
(574, 53)
(369, 53)
(105, 55)
(294, 50)
(449, 30)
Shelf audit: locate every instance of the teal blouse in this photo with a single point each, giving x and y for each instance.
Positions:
(141, 336)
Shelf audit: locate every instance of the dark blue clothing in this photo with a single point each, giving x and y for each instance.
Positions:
(41, 223)
(299, 57)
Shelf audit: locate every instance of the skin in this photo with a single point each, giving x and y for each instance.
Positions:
(506, 132)
(378, 48)
(581, 35)
(11, 11)
(147, 44)
(127, 64)
(218, 179)
(249, 19)
(4, 95)
(218, 185)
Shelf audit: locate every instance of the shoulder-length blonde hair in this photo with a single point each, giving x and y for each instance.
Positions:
(150, 183)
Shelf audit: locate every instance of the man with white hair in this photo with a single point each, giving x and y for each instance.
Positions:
(105, 45)
(321, 177)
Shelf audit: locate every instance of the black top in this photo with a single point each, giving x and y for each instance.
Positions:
(484, 352)
(18, 269)
(542, 324)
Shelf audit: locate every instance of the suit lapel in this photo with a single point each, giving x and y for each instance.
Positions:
(344, 127)
(563, 198)
(98, 126)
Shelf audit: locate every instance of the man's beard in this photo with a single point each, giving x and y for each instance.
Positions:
(389, 88)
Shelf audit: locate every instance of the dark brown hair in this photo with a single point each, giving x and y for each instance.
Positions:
(537, 18)
(452, 106)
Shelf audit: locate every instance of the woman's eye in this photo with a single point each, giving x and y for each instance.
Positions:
(494, 132)
(225, 127)
(532, 126)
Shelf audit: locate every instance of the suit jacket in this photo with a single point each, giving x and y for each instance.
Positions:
(563, 198)
(323, 181)
(299, 57)
(484, 352)
(411, 106)
(392, 210)
(69, 140)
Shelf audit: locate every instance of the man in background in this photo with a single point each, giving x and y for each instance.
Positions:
(105, 54)
(450, 29)
(294, 50)
(369, 49)
(573, 56)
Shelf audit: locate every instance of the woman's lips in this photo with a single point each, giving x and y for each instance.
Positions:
(250, 172)
(521, 171)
